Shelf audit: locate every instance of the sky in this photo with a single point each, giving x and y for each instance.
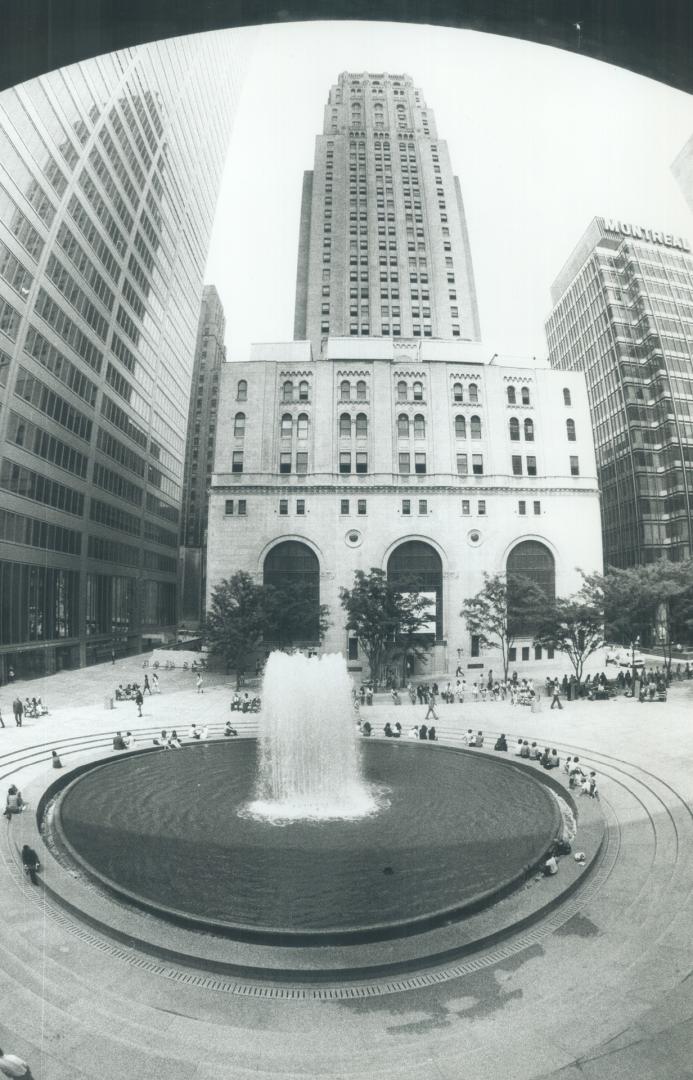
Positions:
(541, 139)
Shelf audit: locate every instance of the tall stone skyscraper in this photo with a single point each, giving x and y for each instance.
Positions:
(210, 354)
(383, 248)
(109, 172)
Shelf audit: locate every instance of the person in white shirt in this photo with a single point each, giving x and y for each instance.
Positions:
(11, 1065)
(193, 733)
(204, 734)
(128, 739)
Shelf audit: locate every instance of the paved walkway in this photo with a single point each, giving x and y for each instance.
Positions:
(606, 995)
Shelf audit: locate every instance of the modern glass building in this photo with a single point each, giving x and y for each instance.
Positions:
(210, 354)
(623, 314)
(109, 173)
(383, 243)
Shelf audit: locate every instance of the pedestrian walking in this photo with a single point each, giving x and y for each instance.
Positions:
(556, 696)
(431, 706)
(155, 681)
(147, 687)
(139, 701)
(11, 1065)
(198, 681)
(18, 710)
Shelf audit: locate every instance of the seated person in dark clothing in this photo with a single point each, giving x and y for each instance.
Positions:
(423, 732)
(366, 728)
(30, 862)
(228, 730)
(432, 737)
(118, 741)
(501, 743)
(388, 731)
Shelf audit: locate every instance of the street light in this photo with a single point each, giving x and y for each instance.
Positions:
(633, 645)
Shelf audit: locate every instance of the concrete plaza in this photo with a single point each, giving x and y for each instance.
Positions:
(603, 991)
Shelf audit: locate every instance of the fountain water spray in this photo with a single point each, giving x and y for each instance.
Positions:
(309, 764)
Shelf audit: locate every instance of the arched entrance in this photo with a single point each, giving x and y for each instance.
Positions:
(293, 571)
(532, 560)
(415, 566)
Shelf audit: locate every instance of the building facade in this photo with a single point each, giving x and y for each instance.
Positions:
(108, 183)
(383, 244)
(418, 457)
(210, 353)
(682, 168)
(623, 314)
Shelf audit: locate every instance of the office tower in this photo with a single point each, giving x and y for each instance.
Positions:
(383, 244)
(108, 183)
(210, 353)
(623, 314)
(416, 456)
(682, 168)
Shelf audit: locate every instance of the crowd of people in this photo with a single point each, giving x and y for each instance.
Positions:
(246, 703)
(134, 692)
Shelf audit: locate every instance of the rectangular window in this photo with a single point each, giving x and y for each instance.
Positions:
(478, 464)
(574, 467)
(525, 652)
(344, 506)
(228, 506)
(474, 651)
(345, 462)
(285, 463)
(406, 507)
(531, 466)
(361, 463)
(283, 507)
(462, 467)
(242, 507)
(423, 506)
(465, 507)
(512, 654)
(522, 507)
(361, 506)
(517, 465)
(302, 463)
(537, 507)
(549, 652)
(300, 506)
(419, 463)
(237, 463)
(481, 509)
(353, 648)
(537, 652)
(404, 464)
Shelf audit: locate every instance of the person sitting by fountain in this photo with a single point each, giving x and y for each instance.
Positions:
(204, 733)
(545, 758)
(55, 760)
(414, 731)
(118, 741)
(30, 863)
(479, 741)
(246, 702)
(42, 707)
(236, 702)
(423, 732)
(128, 739)
(366, 728)
(555, 761)
(174, 742)
(14, 803)
(501, 744)
(535, 752)
(228, 730)
(518, 749)
(397, 730)
(550, 867)
(432, 737)
(576, 773)
(524, 752)
(120, 693)
(162, 741)
(193, 733)
(388, 731)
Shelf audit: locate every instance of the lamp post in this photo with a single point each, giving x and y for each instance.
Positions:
(633, 645)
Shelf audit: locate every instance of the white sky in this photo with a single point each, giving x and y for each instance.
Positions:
(541, 140)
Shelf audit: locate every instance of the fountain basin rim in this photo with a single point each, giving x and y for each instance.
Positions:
(273, 935)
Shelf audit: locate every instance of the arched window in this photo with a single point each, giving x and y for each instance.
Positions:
(566, 396)
(525, 395)
(361, 425)
(473, 393)
(529, 430)
(302, 425)
(418, 391)
(294, 571)
(475, 427)
(287, 426)
(345, 425)
(457, 392)
(303, 391)
(419, 426)
(403, 426)
(360, 390)
(511, 395)
(288, 390)
(239, 424)
(533, 560)
(242, 390)
(345, 390)
(570, 429)
(401, 391)
(416, 567)
(460, 427)
(514, 425)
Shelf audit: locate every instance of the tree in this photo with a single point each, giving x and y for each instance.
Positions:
(414, 616)
(383, 616)
(235, 623)
(292, 614)
(502, 610)
(574, 625)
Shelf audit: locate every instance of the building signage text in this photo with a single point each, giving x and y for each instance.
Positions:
(639, 233)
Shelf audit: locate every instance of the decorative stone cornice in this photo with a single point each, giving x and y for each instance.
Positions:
(294, 374)
(421, 491)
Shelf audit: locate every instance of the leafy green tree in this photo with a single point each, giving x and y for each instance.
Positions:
(384, 617)
(293, 614)
(235, 623)
(502, 610)
(574, 625)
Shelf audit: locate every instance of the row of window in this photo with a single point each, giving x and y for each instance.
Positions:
(239, 507)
